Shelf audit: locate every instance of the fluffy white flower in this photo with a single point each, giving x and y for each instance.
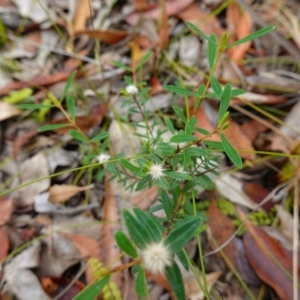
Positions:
(131, 89)
(102, 158)
(156, 171)
(156, 257)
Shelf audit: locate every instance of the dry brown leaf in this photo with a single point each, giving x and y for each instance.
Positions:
(239, 140)
(110, 252)
(221, 230)
(164, 27)
(8, 110)
(109, 36)
(22, 140)
(4, 246)
(60, 193)
(145, 198)
(207, 23)
(6, 209)
(243, 25)
(82, 13)
(172, 8)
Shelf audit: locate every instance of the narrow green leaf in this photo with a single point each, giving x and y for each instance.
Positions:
(225, 100)
(143, 60)
(212, 50)
(141, 283)
(167, 204)
(174, 277)
(215, 145)
(183, 259)
(78, 136)
(18, 96)
(180, 235)
(252, 36)
(125, 244)
(163, 183)
(186, 158)
(92, 291)
(192, 123)
(169, 124)
(204, 181)
(179, 113)
(237, 92)
(71, 106)
(178, 175)
(121, 66)
(68, 85)
(179, 90)
(34, 106)
(128, 165)
(199, 96)
(195, 151)
(231, 152)
(149, 224)
(100, 136)
(138, 234)
(188, 129)
(216, 87)
(182, 138)
(52, 127)
(201, 130)
(143, 182)
(199, 32)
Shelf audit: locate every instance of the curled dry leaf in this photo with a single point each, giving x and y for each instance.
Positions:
(60, 193)
(82, 14)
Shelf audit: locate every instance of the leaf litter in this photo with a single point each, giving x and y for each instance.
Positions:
(52, 227)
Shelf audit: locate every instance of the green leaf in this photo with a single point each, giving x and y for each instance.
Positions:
(195, 151)
(169, 124)
(100, 136)
(225, 100)
(231, 152)
(180, 235)
(192, 123)
(163, 183)
(252, 36)
(149, 223)
(213, 144)
(34, 106)
(139, 234)
(174, 277)
(216, 87)
(179, 90)
(182, 138)
(167, 204)
(143, 182)
(199, 32)
(122, 66)
(202, 130)
(68, 85)
(52, 127)
(204, 181)
(178, 175)
(212, 50)
(92, 291)
(125, 244)
(128, 165)
(179, 113)
(237, 92)
(199, 96)
(143, 60)
(183, 259)
(141, 283)
(78, 136)
(186, 158)
(71, 106)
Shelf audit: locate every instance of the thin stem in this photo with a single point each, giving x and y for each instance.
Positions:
(174, 213)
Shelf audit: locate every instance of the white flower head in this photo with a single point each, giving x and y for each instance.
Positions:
(102, 158)
(131, 89)
(156, 171)
(156, 257)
